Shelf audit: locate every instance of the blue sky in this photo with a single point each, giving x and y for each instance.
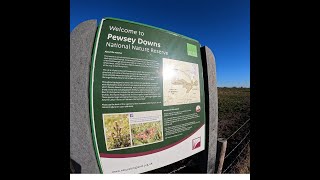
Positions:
(222, 25)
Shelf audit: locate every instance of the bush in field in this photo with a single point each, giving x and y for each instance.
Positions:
(117, 131)
(145, 133)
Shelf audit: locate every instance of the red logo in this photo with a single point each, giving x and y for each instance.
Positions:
(196, 143)
(198, 109)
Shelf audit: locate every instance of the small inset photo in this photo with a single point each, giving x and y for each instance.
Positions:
(146, 133)
(117, 131)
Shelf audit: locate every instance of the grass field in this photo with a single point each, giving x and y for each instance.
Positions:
(234, 110)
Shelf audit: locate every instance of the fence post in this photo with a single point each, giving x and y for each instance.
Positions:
(223, 145)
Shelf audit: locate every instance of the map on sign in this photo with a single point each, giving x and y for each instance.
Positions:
(180, 82)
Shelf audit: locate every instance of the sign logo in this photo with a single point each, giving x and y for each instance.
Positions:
(198, 109)
(192, 50)
(196, 143)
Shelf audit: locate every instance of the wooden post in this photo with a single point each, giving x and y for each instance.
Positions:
(222, 153)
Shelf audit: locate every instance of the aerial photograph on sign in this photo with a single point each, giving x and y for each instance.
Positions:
(180, 82)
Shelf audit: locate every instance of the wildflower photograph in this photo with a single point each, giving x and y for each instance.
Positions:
(146, 133)
(117, 131)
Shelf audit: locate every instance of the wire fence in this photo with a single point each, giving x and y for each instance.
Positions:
(232, 163)
(237, 145)
(233, 155)
(238, 129)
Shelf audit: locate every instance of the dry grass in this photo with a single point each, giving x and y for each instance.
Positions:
(243, 165)
(234, 110)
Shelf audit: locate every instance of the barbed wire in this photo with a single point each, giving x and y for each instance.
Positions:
(236, 157)
(237, 145)
(238, 129)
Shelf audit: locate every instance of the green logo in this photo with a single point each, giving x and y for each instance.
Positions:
(192, 50)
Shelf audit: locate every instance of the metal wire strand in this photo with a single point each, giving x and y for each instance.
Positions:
(237, 145)
(236, 157)
(238, 129)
